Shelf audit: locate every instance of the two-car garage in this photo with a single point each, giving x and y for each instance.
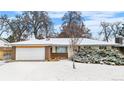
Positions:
(30, 53)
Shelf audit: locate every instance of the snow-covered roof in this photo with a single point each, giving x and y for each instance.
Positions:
(4, 43)
(61, 41)
(118, 45)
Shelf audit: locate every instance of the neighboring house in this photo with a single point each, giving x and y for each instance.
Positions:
(52, 48)
(5, 49)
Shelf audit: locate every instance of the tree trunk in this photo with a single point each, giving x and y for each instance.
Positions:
(35, 34)
(74, 65)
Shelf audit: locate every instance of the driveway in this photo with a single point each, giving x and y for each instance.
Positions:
(2, 63)
(59, 71)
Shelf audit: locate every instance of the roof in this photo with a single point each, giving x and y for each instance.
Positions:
(60, 41)
(118, 45)
(4, 43)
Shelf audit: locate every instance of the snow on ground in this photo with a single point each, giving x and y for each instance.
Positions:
(59, 71)
(2, 62)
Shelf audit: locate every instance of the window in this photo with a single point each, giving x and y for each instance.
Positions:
(61, 49)
(7, 55)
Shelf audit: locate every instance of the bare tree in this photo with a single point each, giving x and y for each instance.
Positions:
(106, 31)
(74, 42)
(121, 31)
(17, 28)
(110, 30)
(74, 45)
(3, 25)
(24, 25)
(116, 28)
(74, 29)
(39, 22)
(73, 23)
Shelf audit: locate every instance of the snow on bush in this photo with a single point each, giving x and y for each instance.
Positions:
(99, 56)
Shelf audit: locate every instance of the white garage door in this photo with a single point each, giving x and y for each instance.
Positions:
(30, 53)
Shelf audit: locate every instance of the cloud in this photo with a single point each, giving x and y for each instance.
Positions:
(98, 13)
(57, 28)
(56, 14)
(18, 12)
(94, 19)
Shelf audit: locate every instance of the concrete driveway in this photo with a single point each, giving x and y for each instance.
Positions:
(59, 71)
(2, 63)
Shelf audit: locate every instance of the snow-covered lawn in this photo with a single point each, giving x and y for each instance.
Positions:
(2, 62)
(59, 71)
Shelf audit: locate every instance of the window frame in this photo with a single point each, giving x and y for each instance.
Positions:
(56, 49)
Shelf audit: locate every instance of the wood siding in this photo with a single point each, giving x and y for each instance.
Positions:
(1, 54)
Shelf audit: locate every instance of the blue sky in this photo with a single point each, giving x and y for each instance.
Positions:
(92, 18)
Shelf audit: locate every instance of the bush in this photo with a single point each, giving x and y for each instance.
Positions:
(99, 56)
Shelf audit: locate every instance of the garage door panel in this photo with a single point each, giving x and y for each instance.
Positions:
(30, 53)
